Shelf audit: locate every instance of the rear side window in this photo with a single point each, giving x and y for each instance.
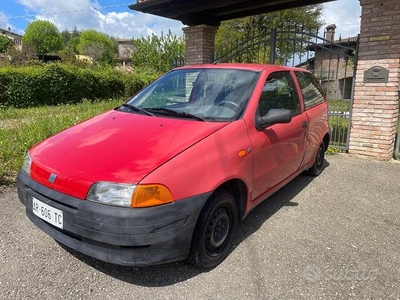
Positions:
(279, 92)
(312, 92)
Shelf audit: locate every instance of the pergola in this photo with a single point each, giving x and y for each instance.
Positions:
(212, 12)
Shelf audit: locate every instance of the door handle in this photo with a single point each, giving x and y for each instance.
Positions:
(304, 125)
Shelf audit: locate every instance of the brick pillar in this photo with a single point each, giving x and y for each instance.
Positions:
(199, 43)
(376, 105)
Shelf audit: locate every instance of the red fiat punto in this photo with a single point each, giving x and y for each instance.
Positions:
(167, 175)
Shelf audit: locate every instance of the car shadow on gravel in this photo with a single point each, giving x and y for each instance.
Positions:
(172, 273)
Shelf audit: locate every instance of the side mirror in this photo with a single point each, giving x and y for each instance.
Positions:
(274, 116)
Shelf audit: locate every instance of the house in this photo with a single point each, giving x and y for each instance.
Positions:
(125, 48)
(333, 63)
(17, 38)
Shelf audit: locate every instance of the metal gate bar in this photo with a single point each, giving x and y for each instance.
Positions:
(333, 62)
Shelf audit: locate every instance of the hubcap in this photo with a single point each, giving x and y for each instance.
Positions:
(217, 230)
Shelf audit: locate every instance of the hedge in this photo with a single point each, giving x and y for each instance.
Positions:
(56, 83)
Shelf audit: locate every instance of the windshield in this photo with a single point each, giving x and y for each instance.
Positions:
(203, 94)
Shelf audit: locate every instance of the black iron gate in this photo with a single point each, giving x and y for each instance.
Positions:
(397, 147)
(332, 61)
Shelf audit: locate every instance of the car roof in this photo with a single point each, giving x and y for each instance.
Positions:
(241, 66)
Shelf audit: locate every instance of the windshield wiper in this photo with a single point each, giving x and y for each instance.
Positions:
(171, 112)
(137, 109)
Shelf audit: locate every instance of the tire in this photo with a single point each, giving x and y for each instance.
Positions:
(318, 165)
(213, 233)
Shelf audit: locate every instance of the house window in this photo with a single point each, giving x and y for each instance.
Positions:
(345, 86)
(350, 53)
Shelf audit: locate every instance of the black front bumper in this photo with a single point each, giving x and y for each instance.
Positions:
(124, 236)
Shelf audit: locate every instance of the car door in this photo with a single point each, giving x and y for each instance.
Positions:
(315, 108)
(278, 149)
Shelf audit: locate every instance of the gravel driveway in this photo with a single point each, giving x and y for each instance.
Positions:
(331, 237)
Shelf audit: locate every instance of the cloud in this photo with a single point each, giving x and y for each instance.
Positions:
(50, 6)
(345, 14)
(4, 23)
(88, 14)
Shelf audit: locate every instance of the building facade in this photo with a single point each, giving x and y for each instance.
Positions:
(333, 64)
(17, 38)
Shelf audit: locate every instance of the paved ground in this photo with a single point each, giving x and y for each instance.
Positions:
(333, 237)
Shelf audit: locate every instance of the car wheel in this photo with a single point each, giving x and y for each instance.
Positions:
(214, 230)
(318, 165)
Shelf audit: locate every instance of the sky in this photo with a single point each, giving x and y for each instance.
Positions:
(114, 17)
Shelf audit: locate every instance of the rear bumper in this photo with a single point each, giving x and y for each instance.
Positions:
(118, 235)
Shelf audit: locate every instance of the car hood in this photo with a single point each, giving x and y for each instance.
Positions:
(116, 147)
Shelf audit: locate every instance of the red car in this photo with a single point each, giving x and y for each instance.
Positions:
(167, 175)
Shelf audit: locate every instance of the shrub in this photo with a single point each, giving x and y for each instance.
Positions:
(55, 84)
(332, 151)
(137, 80)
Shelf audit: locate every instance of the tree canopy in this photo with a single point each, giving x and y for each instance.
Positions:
(99, 46)
(158, 52)
(43, 37)
(5, 42)
(260, 26)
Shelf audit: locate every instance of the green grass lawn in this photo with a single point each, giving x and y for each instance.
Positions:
(23, 128)
(339, 105)
(339, 124)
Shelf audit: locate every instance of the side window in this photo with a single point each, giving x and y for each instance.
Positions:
(312, 92)
(279, 92)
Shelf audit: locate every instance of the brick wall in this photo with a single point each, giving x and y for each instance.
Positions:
(380, 29)
(199, 44)
(375, 111)
(376, 105)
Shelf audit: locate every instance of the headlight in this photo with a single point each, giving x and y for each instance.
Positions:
(27, 164)
(111, 193)
(129, 195)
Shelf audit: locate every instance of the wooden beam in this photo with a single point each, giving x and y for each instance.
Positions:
(212, 12)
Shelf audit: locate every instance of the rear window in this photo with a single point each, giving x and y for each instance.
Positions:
(311, 90)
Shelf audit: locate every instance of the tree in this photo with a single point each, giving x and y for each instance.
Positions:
(70, 41)
(5, 42)
(16, 56)
(259, 27)
(43, 37)
(100, 47)
(158, 53)
(65, 37)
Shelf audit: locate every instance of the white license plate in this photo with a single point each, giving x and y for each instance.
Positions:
(48, 213)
